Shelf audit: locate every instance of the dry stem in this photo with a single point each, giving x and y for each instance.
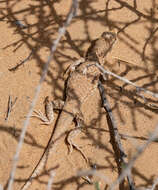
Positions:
(61, 32)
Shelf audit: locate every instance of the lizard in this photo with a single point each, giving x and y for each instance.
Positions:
(79, 86)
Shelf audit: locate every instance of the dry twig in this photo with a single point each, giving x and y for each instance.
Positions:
(127, 167)
(61, 32)
(130, 164)
(154, 184)
(22, 62)
(115, 137)
(51, 179)
(10, 107)
(138, 89)
(1, 187)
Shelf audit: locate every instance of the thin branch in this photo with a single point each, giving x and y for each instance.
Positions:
(61, 32)
(1, 187)
(154, 184)
(21, 63)
(10, 107)
(139, 89)
(130, 164)
(118, 148)
(127, 168)
(51, 179)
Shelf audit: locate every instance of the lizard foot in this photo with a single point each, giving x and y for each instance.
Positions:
(48, 118)
(72, 134)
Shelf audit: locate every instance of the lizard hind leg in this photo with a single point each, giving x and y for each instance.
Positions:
(72, 134)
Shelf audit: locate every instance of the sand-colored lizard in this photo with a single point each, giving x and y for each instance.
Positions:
(78, 87)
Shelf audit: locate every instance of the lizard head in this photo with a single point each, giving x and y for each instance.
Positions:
(110, 37)
(101, 46)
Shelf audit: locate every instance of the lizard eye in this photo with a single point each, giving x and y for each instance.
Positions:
(109, 36)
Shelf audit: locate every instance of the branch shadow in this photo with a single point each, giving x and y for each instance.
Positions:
(42, 32)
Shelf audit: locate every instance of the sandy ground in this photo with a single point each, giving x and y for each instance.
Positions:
(137, 23)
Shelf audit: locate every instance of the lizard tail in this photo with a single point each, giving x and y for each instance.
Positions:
(49, 149)
(35, 172)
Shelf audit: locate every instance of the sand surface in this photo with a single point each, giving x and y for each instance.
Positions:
(137, 49)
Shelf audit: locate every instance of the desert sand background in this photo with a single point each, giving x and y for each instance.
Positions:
(136, 22)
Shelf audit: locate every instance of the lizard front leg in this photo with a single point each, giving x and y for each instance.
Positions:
(48, 118)
(72, 67)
